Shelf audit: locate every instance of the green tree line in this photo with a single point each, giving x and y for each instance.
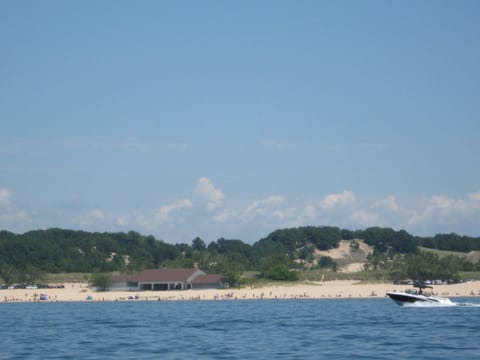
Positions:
(26, 256)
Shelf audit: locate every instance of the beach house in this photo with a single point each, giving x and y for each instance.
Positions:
(168, 279)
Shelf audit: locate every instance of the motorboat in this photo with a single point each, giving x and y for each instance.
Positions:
(419, 296)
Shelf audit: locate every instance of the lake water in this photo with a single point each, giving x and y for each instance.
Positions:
(261, 329)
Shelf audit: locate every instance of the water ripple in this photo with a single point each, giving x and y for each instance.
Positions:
(280, 329)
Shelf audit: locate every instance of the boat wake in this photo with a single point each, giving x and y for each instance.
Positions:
(468, 304)
(439, 304)
(422, 299)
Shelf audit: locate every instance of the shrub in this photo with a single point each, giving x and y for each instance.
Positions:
(281, 272)
(101, 281)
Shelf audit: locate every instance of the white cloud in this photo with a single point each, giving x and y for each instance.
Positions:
(264, 207)
(364, 218)
(90, 218)
(309, 211)
(416, 214)
(164, 214)
(10, 216)
(431, 215)
(267, 202)
(225, 216)
(344, 199)
(440, 202)
(5, 202)
(284, 214)
(14, 218)
(121, 221)
(133, 144)
(167, 214)
(257, 211)
(209, 193)
(389, 203)
(441, 211)
(474, 196)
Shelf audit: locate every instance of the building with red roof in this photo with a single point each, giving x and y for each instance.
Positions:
(167, 279)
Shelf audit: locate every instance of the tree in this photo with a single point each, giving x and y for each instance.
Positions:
(30, 275)
(101, 281)
(281, 272)
(423, 266)
(8, 273)
(327, 262)
(376, 261)
(198, 244)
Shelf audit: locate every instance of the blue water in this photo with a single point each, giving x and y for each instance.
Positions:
(264, 329)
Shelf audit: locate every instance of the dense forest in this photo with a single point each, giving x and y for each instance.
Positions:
(24, 256)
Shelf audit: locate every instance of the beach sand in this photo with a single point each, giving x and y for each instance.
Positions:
(311, 290)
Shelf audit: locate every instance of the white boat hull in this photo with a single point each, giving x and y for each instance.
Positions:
(402, 298)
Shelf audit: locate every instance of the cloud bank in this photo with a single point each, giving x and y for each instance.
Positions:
(208, 211)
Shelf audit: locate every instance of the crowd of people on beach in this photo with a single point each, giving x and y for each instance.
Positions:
(326, 290)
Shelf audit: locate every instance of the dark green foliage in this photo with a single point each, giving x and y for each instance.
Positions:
(230, 258)
(389, 241)
(323, 238)
(428, 266)
(8, 273)
(377, 260)
(327, 262)
(451, 242)
(225, 246)
(266, 249)
(23, 258)
(101, 281)
(283, 246)
(198, 244)
(58, 250)
(307, 253)
(347, 234)
(282, 273)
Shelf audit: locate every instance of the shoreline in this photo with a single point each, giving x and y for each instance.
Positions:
(341, 289)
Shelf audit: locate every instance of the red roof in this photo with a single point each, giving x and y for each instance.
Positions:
(157, 275)
(208, 279)
(161, 275)
(125, 278)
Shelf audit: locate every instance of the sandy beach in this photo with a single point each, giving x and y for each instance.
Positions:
(312, 290)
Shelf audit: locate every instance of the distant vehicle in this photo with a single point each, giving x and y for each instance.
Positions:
(31, 287)
(403, 282)
(56, 286)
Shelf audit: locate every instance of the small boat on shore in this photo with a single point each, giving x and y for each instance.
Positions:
(417, 296)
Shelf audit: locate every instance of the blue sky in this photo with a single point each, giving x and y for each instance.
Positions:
(234, 119)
